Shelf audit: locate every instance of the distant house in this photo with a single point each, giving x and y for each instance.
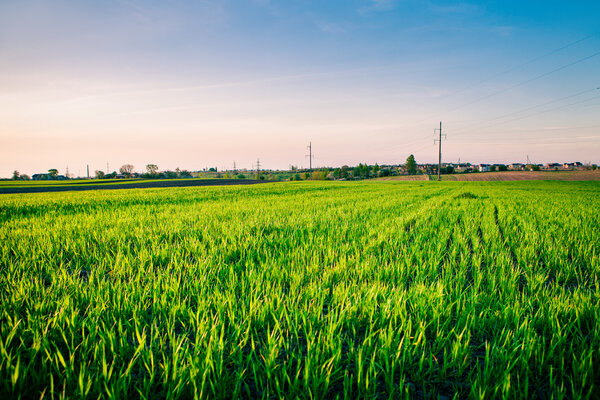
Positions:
(46, 177)
(483, 167)
(516, 166)
(40, 177)
(573, 165)
(552, 166)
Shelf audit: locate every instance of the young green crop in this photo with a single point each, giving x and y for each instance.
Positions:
(308, 289)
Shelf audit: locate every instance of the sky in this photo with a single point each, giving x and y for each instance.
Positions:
(206, 83)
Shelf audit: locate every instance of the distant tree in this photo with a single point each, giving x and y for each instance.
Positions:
(152, 169)
(365, 171)
(448, 169)
(53, 173)
(376, 169)
(411, 165)
(127, 170)
(345, 171)
(99, 174)
(337, 173)
(241, 176)
(170, 174)
(492, 168)
(502, 167)
(16, 175)
(320, 175)
(25, 177)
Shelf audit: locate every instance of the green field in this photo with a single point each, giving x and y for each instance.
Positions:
(308, 289)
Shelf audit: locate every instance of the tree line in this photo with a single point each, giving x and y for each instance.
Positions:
(345, 172)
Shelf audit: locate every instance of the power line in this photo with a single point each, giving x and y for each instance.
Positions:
(515, 68)
(478, 124)
(552, 109)
(514, 119)
(546, 103)
(536, 113)
(537, 77)
(527, 81)
(521, 65)
(464, 130)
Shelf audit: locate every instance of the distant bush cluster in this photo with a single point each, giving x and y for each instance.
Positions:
(152, 172)
(17, 176)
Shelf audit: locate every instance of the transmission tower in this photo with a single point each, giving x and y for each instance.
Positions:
(309, 155)
(440, 152)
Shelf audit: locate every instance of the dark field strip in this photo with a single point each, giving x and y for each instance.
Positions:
(139, 184)
(316, 290)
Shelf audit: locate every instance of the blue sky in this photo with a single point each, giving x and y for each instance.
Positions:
(193, 84)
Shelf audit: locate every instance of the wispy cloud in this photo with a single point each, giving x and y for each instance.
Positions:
(377, 6)
(329, 27)
(459, 8)
(384, 5)
(504, 31)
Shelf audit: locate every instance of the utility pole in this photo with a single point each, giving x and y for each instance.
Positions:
(309, 155)
(257, 167)
(234, 169)
(107, 167)
(440, 158)
(88, 171)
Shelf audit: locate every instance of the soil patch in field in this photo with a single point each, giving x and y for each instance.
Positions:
(506, 176)
(134, 185)
(405, 178)
(525, 175)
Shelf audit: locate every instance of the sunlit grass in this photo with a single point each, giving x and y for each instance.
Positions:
(311, 290)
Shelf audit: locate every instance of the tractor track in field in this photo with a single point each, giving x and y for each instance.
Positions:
(134, 185)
